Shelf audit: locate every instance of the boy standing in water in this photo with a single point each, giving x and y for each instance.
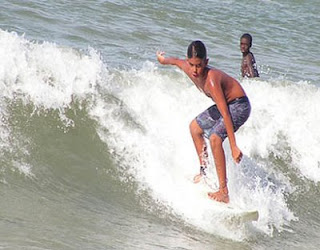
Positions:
(248, 65)
(219, 121)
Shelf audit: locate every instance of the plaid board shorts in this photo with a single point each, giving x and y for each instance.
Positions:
(211, 121)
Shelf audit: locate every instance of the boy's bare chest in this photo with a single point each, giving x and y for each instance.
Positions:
(204, 87)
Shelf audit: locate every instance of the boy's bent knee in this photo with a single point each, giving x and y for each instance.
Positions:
(215, 140)
(195, 128)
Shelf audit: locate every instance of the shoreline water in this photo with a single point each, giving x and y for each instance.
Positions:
(95, 146)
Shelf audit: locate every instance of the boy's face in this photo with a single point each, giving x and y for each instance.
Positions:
(197, 66)
(244, 45)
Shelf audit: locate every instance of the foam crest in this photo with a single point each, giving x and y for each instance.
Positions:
(45, 74)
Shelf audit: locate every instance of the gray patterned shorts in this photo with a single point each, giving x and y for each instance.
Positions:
(211, 121)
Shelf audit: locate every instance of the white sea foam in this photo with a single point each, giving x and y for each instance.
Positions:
(284, 121)
(47, 75)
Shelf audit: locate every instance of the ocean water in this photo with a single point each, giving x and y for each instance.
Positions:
(95, 145)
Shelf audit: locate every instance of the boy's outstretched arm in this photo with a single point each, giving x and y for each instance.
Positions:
(170, 60)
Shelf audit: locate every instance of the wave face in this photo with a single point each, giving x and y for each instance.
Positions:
(87, 150)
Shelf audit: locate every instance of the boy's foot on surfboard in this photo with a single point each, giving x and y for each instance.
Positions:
(221, 195)
(199, 176)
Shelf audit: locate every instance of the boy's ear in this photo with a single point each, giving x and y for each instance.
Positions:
(207, 61)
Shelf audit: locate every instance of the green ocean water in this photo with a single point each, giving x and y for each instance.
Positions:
(95, 148)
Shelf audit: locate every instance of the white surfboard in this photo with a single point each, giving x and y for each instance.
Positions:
(231, 213)
(239, 216)
(228, 213)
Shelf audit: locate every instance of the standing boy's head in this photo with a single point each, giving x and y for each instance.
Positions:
(197, 49)
(248, 37)
(245, 43)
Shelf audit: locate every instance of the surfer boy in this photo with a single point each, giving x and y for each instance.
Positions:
(219, 121)
(248, 64)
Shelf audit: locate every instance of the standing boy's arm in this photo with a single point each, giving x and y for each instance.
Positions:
(170, 60)
(249, 65)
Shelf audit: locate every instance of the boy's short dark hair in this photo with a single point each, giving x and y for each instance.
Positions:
(247, 36)
(197, 49)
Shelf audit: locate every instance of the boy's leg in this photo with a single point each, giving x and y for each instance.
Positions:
(200, 145)
(220, 163)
